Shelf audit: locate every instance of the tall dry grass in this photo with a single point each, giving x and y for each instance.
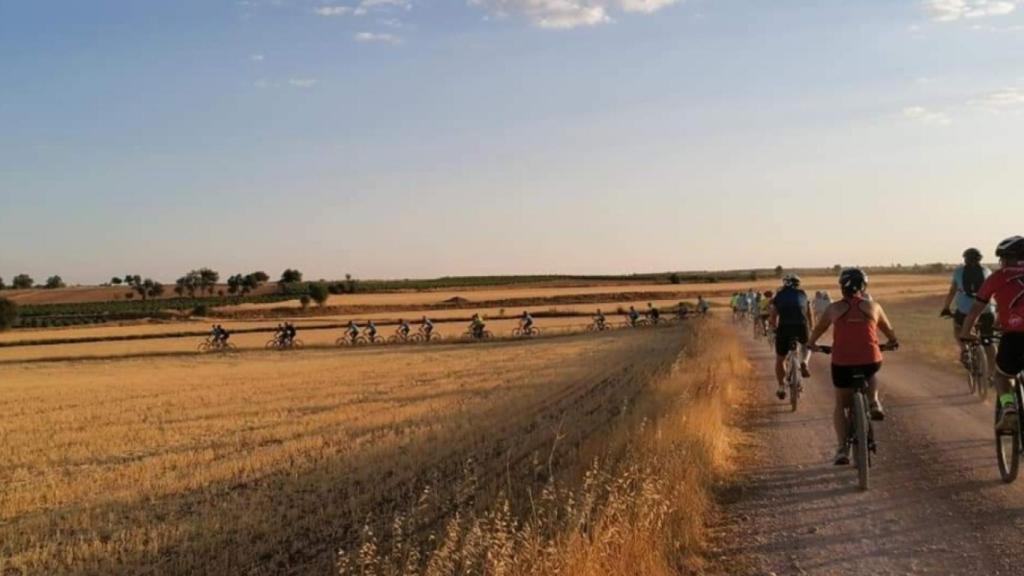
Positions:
(634, 501)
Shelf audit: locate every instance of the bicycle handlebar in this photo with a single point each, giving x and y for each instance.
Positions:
(887, 347)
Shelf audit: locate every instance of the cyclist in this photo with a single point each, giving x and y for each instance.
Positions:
(632, 316)
(477, 325)
(653, 313)
(855, 323)
(599, 320)
(1006, 286)
(734, 303)
(683, 312)
(752, 301)
(352, 330)
(526, 322)
(702, 305)
(764, 311)
(791, 316)
(403, 329)
(224, 335)
(743, 304)
(371, 331)
(426, 327)
(279, 332)
(289, 333)
(214, 333)
(967, 280)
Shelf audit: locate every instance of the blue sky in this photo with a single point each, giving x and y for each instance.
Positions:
(410, 138)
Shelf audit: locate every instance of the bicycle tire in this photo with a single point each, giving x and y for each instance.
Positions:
(860, 434)
(271, 344)
(981, 372)
(969, 366)
(794, 382)
(518, 333)
(203, 347)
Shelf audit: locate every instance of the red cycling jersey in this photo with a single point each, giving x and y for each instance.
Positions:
(855, 337)
(1006, 285)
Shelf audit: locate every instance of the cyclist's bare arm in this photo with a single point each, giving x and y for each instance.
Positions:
(972, 319)
(950, 295)
(810, 314)
(821, 327)
(884, 325)
(773, 321)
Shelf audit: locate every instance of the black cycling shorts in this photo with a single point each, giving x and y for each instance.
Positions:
(848, 376)
(986, 323)
(789, 334)
(1010, 358)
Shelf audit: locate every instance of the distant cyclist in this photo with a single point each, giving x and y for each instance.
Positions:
(855, 323)
(683, 311)
(633, 316)
(653, 313)
(426, 327)
(791, 318)
(967, 280)
(371, 331)
(477, 326)
(526, 322)
(764, 311)
(404, 328)
(702, 305)
(289, 333)
(599, 320)
(353, 330)
(1006, 286)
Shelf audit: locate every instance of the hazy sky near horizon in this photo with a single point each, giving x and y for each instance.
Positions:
(417, 138)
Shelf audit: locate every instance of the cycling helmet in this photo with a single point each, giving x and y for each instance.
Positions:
(1012, 247)
(853, 280)
(791, 281)
(972, 255)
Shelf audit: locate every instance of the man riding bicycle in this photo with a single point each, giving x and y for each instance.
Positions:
(426, 326)
(1006, 286)
(855, 323)
(683, 311)
(352, 330)
(477, 325)
(371, 331)
(526, 322)
(633, 316)
(791, 316)
(404, 328)
(599, 320)
(653, 313)
(967, 280)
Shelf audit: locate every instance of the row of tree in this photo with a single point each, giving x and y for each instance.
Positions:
(24, 281)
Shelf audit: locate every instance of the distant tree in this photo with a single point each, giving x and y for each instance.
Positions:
(154, 289)
(208, 279)
(260, 276)
(2, 286)
(753, 275)
(190, 283)
(674, 278)
(304, 300)
(319, 293)
(290, 276)
(179, 289)
(778, 271)
(54, 282)
(251, 282)
(837, 268)
(22, 281)
(8, 314)
(350, 284)
(235, 283)
(115, 281)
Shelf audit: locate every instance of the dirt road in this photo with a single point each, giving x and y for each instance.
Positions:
(936, 505)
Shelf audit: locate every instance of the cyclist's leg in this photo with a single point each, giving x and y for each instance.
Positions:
(987, 329)
(783, 344)
(1009, 362)
(958, 324)
(840, 414)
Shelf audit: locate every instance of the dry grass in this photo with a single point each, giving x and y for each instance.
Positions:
(265, 463)
(921, 331)
(638, 508)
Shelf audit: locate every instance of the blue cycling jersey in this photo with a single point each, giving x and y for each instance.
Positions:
(791, 304)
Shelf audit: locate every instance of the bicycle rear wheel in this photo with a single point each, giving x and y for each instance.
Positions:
(1008, 447)
(860, 435)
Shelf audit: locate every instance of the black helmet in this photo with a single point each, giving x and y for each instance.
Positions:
(972, 255)
(853, 280)
(791, 281)
(1012, 247)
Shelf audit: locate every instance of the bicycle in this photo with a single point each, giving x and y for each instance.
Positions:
(861, 433)
(216, 345)
(975, 361)
(793, 381)
(1008, 443)
(478, 335)
(350, 339)
(426, 336)
(520, 332)
(638, 323)
(760, 328)
(401, 337)
(597, 326)
(280, 343)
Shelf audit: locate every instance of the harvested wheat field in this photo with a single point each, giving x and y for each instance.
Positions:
(271, 463)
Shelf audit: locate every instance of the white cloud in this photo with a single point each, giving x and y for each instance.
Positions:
(367, 6)
(1005, 100)
(333, 10)
(256, 57)
(565, 14)
(302, 82)
(376, 38)
(951, 10)
(926, 116)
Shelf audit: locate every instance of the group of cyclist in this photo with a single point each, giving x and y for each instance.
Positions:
(984, 300)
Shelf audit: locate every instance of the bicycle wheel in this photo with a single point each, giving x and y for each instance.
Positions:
(968, 361)
(203, 347)
(271, 344)
(980, 365)
(517, 332)
(486, 335)
(860, 435)
(296, 344)
(1008, 447)
(794, 392)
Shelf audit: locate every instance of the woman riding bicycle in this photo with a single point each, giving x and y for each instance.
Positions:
(855, 350)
